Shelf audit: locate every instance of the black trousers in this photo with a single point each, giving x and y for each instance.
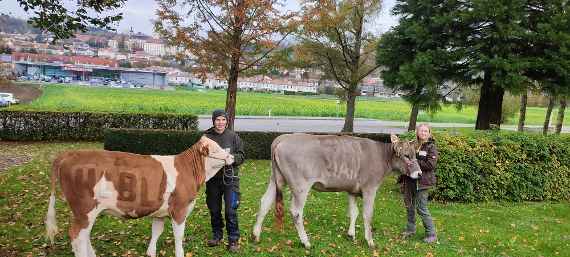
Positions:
(215, 190)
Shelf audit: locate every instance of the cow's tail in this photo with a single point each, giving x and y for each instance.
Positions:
(51, 223)
(278, 180)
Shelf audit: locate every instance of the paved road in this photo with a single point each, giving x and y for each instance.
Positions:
(317, 124)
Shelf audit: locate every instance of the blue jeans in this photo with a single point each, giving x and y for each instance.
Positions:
(416, 200)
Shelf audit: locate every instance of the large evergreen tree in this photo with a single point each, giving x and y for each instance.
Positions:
(415, 57)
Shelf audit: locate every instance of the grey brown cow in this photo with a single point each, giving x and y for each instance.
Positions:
(132, 186)
(332, 163)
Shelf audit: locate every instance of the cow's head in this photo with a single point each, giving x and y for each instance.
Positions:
(404, 158)
(216, 157)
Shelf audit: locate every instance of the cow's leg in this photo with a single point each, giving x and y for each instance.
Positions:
(157, 228)
(353, 212)
(367, 212)
(92, 216)
(76, 234)
(80, 231)
(298, 199)
(266, 201)
(178, 230)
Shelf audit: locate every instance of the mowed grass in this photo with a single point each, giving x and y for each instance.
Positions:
(485, 229)
(81, 98)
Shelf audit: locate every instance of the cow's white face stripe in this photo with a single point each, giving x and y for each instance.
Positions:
(171, 175)
(213, 166)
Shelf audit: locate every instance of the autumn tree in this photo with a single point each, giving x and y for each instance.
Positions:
(64, 20)
(226, 37)
(334, 36)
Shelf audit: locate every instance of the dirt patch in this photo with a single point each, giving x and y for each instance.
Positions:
(10, 157)
(24, 92)
(8, 160)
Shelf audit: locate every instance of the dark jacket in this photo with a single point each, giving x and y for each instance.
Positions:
(228, 139)
(427, 156)
(427, 159)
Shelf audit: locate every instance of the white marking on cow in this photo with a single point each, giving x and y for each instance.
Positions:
(157, 229)
(51, 222)
(178, 230)
(82, 244)
(103, 192)
(171, 176)
(106, 194)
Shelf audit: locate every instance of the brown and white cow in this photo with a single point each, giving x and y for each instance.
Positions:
(332, 163)
(131, 186)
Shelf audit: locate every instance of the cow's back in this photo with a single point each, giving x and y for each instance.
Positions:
(331, 162)
(129, 185)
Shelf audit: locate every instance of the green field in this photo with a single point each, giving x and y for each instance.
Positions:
(485, 229)
(75, 98)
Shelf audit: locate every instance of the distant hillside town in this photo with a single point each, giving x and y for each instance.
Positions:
(136, 60)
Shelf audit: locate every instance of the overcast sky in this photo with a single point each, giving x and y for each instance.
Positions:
(139, 13)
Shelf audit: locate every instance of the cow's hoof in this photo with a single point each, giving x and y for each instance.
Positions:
(351, 237)
(371, 244)
(307, 245)
(255, 238)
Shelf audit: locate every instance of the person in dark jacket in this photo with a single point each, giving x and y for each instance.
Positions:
(225, 184)
(416, 191)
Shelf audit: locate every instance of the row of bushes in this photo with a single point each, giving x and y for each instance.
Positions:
(484, 166)
(473, 167)
(29, 125)
(257, 145)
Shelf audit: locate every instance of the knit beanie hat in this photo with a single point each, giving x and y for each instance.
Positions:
(218, 113)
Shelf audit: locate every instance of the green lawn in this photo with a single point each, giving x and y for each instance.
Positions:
(486, 229)
(75, 98)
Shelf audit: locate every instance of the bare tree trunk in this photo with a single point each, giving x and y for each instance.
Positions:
(350, 107)
(490, 104)
(231, 95)
(522, 113)
(548, 113)
(561, 111)
(413, 117)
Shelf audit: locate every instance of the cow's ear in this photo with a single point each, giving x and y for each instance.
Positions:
(394, 138)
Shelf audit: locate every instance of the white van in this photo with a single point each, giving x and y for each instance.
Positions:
(9, 97)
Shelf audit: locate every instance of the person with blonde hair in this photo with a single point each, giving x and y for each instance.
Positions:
(416, 191)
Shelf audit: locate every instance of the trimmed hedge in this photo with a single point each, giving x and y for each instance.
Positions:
(29, 125)
(505, 166)
(474, 167)
(257, 145)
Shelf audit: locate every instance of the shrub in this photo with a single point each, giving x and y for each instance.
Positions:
(30, 125)
(505, 166)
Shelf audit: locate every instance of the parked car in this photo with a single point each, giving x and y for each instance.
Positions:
(9, 97)
(4, 102)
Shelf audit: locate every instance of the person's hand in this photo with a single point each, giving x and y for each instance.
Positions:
(230, 160)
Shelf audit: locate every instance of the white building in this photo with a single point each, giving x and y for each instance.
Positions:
(262, 83)
(113, 44)
(178, 77)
